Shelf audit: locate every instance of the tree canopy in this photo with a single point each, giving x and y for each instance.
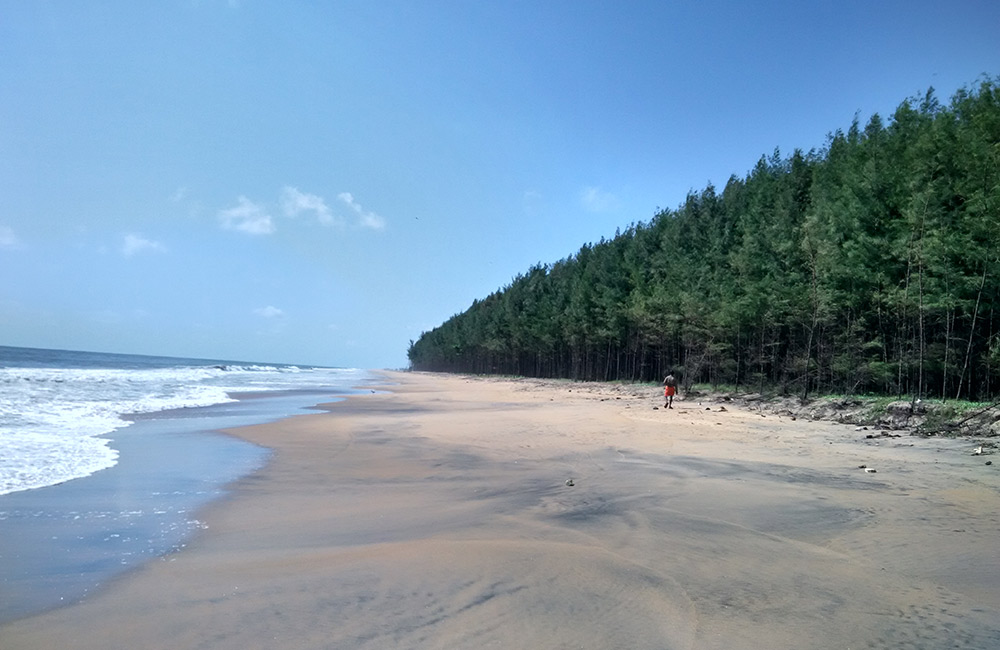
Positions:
(872, 265)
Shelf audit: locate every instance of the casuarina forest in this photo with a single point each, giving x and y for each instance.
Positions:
(869, 266)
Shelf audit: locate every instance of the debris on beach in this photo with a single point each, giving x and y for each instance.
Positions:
(977, 451)
(569, 482)
(869, 470)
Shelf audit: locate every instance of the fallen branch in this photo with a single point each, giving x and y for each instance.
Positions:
(978, 413)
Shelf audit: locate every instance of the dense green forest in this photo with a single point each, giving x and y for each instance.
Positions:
(870, 266)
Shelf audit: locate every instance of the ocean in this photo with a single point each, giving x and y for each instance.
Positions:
(105, 458)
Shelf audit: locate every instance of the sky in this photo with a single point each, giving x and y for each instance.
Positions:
(321, 182)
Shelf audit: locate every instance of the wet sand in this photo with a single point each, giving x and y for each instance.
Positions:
(439, 516)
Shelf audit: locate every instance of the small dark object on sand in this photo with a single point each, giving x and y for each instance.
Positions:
(569, 482)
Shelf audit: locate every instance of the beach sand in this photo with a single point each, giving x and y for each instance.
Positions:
(438, 515)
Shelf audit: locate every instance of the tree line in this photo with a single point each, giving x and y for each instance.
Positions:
(869, 266)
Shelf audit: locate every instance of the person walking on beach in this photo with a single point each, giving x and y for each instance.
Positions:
(669, 390)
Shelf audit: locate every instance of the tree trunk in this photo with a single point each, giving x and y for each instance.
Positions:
(972, 331)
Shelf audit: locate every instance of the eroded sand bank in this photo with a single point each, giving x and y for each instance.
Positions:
(439, 516)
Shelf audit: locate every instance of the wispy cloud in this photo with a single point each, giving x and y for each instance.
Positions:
(8, 239)
(269, 312)
(135, 244)
(254, 218)
(595, 199)
(247, 217)
(366, 219)
(294, 203)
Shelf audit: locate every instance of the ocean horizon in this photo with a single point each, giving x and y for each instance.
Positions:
(105, 458)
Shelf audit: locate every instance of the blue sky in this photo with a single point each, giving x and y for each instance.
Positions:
(320, 182)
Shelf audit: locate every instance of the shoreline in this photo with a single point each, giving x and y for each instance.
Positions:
(440, 514)
(63, 542)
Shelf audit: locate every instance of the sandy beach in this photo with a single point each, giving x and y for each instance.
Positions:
(460, 512)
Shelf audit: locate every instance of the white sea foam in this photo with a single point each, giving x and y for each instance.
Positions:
(52, 419)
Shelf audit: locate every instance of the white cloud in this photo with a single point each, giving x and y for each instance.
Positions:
(365, 219)
(135, 244)
(8, 239)
(294, 203)
(247, 217)
(595, 199)
(253, 218)
(269, 312)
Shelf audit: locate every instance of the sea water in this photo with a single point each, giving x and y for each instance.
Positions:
(104, 458)
(57, 407)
